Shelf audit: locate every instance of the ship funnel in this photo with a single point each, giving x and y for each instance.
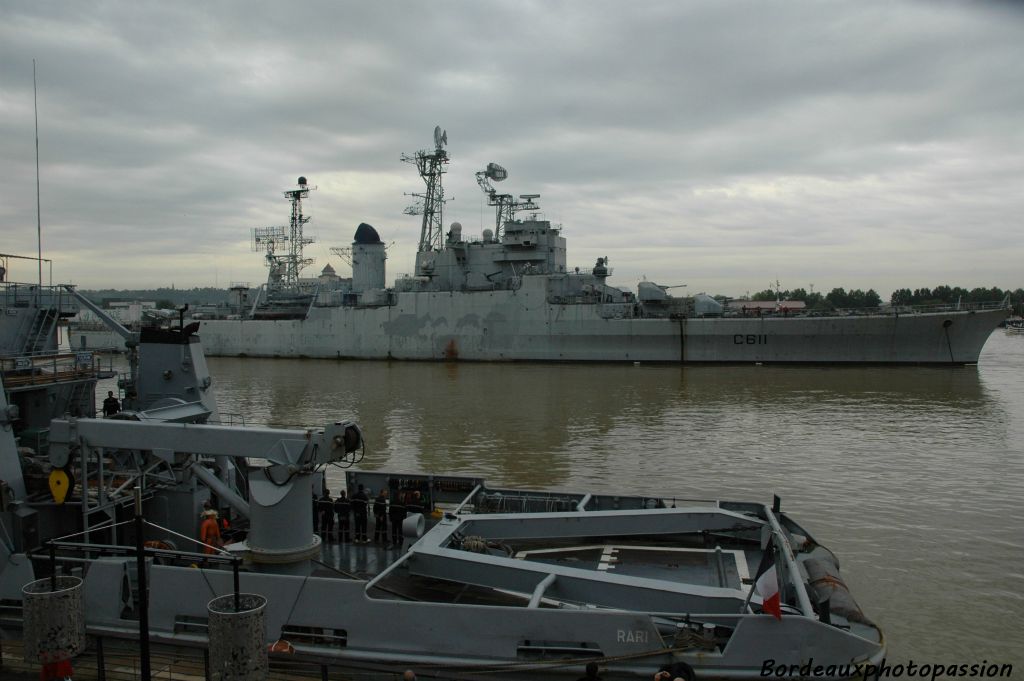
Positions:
(368, 256)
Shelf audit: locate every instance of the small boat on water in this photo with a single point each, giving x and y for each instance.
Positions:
(101, 518)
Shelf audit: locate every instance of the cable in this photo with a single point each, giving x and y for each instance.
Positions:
(194, 541)
(266, 474)
(296, 602)
(102, 526)
(206, 579)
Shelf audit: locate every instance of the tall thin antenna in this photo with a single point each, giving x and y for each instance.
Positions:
(39, 219)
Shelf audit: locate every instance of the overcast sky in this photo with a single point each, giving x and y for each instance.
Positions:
(717, 144)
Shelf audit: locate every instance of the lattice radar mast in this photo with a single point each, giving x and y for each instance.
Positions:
(431, 166)
(285, 267)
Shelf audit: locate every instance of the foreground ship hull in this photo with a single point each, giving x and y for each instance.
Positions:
(523, 325)
(472, 581)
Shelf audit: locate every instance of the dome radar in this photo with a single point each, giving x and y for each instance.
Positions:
(365, 234)
(302, 181)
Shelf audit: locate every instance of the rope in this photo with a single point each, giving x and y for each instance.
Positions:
(194, 541)
(296, 602)
(102, 526)
(831, 581)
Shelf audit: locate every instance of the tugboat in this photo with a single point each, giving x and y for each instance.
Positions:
(101, 524)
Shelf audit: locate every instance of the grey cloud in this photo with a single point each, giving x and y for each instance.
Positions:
(713, 133)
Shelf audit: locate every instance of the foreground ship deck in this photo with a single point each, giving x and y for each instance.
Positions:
(484, 583)
(508, 588)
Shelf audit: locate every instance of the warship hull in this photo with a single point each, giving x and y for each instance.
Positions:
(523, 325)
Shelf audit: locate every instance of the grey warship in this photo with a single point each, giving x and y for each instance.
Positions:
(482, 582)
(509, 295)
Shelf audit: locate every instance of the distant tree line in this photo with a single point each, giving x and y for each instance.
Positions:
(837, 297)
(165, 298)
(953, 294)
(841, 298)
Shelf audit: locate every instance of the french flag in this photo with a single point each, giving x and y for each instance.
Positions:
(767, 582)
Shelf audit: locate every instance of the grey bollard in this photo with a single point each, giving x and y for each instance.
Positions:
(54, 621)
(238, 645)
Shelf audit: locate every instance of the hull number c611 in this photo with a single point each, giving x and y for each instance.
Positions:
(750, 339)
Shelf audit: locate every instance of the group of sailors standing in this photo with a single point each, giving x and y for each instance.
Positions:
(350, 515)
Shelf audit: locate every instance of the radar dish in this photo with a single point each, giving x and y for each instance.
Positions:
(495, 172)
(440, 137)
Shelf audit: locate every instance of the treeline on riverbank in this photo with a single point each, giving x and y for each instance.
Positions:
(940, 295)
(165, 298)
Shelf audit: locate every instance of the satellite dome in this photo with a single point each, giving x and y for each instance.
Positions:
(302, 182)
(365, 234)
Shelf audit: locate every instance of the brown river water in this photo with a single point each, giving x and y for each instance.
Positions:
(913, 476)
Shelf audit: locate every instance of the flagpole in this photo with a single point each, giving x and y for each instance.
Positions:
(770, 546)
(39, 219)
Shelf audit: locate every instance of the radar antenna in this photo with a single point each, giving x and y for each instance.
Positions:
(285, 267)
(345, 252)
(505, 206)
(431, 166)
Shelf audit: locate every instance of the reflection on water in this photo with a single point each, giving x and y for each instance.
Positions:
(528, 424)
(912, 475)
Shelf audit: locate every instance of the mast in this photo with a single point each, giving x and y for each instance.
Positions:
(297, 241)
(431, 166)
(285, 269)
(39, 218)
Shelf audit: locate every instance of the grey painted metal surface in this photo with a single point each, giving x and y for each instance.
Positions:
(523, 324)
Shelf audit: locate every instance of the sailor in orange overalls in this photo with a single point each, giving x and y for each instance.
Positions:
(209, 531)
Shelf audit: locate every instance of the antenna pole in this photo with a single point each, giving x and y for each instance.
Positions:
(39, 219)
